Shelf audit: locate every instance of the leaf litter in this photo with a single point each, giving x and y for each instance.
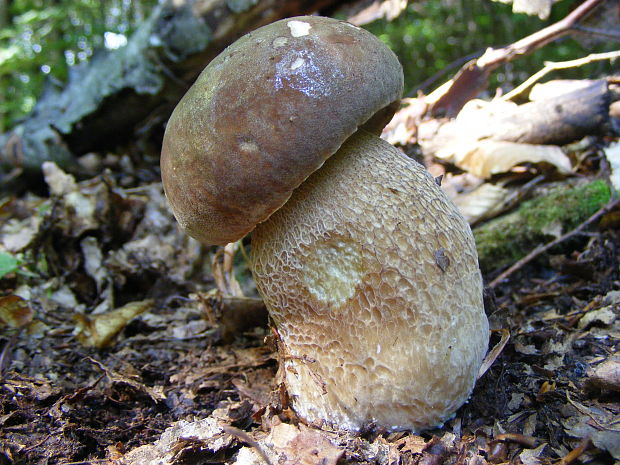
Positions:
(122, 343)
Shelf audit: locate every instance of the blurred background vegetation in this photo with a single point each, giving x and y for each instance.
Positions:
(40, 40)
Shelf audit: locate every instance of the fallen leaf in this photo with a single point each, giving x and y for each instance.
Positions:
(482, 202)
(204, 436)
(15, 312)
(19, 234)
(412, 443)
(606, 316)
(485, 158)
(605, 376)
(288, 444)
(100, 330)
(303, 446)
(612, 153)
(531, 456)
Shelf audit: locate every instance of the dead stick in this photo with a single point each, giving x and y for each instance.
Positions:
(473, 76)
(543, 248)
(556, 65)
(540, 38)
(245, 437)
(576, 452)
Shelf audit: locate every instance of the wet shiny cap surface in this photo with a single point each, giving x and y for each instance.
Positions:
(265, 114)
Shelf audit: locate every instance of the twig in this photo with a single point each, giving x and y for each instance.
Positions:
(86, 462)
(245, 437)
(596, 31)
(494, 58)
(435, 77)
(576, 452)
(554, 66)
(473, 76)
(543, 248)
(527, 441)
(494, 353)
(582, 409)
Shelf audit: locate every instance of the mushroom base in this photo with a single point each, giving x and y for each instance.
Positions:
(371, 276)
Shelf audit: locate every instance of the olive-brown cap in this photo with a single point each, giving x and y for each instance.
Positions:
(265, 114)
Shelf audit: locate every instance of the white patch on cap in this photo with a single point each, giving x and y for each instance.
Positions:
(248, 147)
(298, 63)
(299, 28)
(279, 42)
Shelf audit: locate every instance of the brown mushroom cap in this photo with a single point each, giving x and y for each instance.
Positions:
(265, 114)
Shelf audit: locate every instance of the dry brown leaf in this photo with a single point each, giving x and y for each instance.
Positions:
(485, 158)
(129, 381)
(80, 204)
(531, 456)
(19, 234)
(612, 153)
(596, 423)
(15, 312)
(388, 9)
(403, 127)
(413, 443)
(288, 444)
(100, 330)
(168, 449)
(606, 316)
(303, 446)
(605, 376)
(482, 202)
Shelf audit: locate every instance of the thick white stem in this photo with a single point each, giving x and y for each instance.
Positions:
(371, 277)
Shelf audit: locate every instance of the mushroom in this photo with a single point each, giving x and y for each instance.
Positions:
(368, 270)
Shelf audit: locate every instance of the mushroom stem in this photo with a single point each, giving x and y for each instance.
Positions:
(370, 275)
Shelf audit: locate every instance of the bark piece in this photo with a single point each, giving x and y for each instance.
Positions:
(553, 121)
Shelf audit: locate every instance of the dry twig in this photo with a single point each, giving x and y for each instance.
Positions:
(543, 248)
(554, 66)
(473, 76)
(246, 438)
(494, 353)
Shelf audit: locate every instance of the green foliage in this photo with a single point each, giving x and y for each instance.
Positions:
(504, 240)
(43, 39)
(8, 264)
(431, 35)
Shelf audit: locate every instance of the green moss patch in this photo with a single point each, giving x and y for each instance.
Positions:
(504, 240)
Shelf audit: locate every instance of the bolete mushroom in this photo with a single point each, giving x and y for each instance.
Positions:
(368, 271)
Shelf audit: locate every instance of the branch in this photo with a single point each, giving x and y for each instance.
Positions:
(544, 248)
(473, 77)
(554, 66)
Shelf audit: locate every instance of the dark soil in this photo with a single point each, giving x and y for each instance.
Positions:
(85, 382)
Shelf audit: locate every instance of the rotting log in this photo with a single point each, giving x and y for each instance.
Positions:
(108, 99)
(554, 121)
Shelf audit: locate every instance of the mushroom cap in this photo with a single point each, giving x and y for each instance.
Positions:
(265, 114)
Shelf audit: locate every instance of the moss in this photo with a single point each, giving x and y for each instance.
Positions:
(508, 238)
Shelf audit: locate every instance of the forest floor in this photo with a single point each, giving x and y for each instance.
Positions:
(111, 333)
